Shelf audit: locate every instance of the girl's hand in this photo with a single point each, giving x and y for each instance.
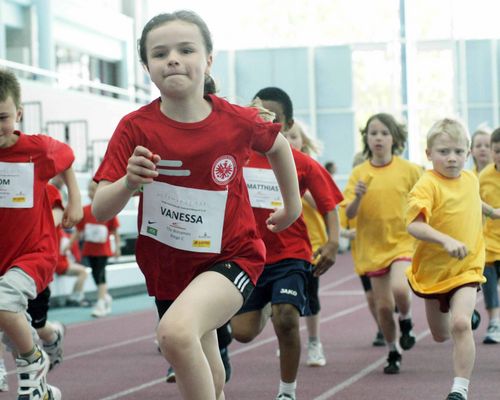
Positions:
(141, 168)
(455, 248)
(280, 220)
(72, 215)
(360, 189)
(327, 255)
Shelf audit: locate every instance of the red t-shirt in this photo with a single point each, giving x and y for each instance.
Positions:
(294, 242)
(55, 200)
(29, 241)
(229, 133)
(93, 246)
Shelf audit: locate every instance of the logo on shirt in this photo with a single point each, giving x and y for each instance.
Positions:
(224, 170)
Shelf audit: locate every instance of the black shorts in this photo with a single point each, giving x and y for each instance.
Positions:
(38, 308)
(365, 281)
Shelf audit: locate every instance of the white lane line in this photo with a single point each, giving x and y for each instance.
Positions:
(361, 374)
(343, 293)
(246, 348)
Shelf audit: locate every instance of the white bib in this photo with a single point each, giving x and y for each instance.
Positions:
(95, 233)
(263, 188)
(184, 218)
(17, 182)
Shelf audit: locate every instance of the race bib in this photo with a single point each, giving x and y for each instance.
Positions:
(95, 233)
(184, 218)
(17, 182)
(263, 189)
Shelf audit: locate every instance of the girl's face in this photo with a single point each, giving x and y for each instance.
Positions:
(448, 155)
(379, 139)
(481, 149)
(495, 154)
(9, 116)
(294, 137)
(177, 59)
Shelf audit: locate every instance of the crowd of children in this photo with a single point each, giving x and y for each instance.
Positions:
(220, 189)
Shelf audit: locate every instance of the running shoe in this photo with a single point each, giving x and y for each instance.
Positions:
(492, 334)
(33, 379)
(285, 396)
(55, 350)
(407, 339)
(379, 340)
(170, 378)
(393, 363)
(455, 396)
(475, 320)
(315, 355)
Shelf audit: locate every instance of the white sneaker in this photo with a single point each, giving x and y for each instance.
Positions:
(55, 350)
(315, 355)
(108, 301)
(492, 334)
(285, 396)
(4, 385)
(100, 309)
(33, 379)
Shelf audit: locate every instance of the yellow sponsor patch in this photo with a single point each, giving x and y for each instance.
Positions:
(201, 243)
(276, 203)
(18, 199)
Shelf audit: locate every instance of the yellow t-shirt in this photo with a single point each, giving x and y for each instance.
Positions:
(316, 228)
(489, 183)
(381, 235)
(453, 207)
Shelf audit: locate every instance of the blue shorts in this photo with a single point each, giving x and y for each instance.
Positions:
(281, 283)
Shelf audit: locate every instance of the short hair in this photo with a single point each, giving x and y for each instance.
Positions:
(397, 130)
(280, 96)
(449, 126)
(495, 136)
(9, 86)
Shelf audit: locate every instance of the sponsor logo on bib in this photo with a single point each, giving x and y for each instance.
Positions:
(224, 170)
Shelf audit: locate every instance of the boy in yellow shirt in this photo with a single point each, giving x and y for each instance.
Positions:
(489, 182)
(445, 214)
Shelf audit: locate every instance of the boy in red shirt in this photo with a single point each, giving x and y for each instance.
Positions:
(28, 253)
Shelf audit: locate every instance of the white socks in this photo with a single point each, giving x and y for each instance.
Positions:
(460, 385)
(288, 388)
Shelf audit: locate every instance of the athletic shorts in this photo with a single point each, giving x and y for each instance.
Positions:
(282, 283)
(445, 298)
(38, 308)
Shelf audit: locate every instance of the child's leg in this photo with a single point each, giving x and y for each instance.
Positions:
(248, 325)
(439, 322)
(464, 350)
(286, 325)
(400, 287)
(384, 303)
(208, 302)
(490, 292)
(80, 272)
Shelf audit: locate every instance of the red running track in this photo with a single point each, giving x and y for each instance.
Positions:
(115, 358)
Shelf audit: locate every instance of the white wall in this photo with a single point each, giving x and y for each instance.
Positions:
(101, 113)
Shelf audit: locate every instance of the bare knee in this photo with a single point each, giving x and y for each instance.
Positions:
(173, 339)
(286, 320)
(460, 325)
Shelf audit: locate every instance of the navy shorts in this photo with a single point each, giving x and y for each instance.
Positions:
(281, 283)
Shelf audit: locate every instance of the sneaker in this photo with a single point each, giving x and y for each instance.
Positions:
(315, 355)
(170, 378)
(224, 354)
(379, 340)
(475, 320)
(492, 334)
(108, 301)
(393, 363)
(100, 309)
(55, 350)
(33, 379)
(455, 396)
(4, 385)
(407, 339)
(285, 396)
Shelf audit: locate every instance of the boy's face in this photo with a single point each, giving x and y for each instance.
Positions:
(495, 153)
(448, 155)
(9, 116)
(277, 109)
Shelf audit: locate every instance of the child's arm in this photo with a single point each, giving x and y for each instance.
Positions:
(351, 209)
(73, 212)
(489, 211)
(118, 249)
(281, 160)
(328, 252)
(423, 231)
(111, 197)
